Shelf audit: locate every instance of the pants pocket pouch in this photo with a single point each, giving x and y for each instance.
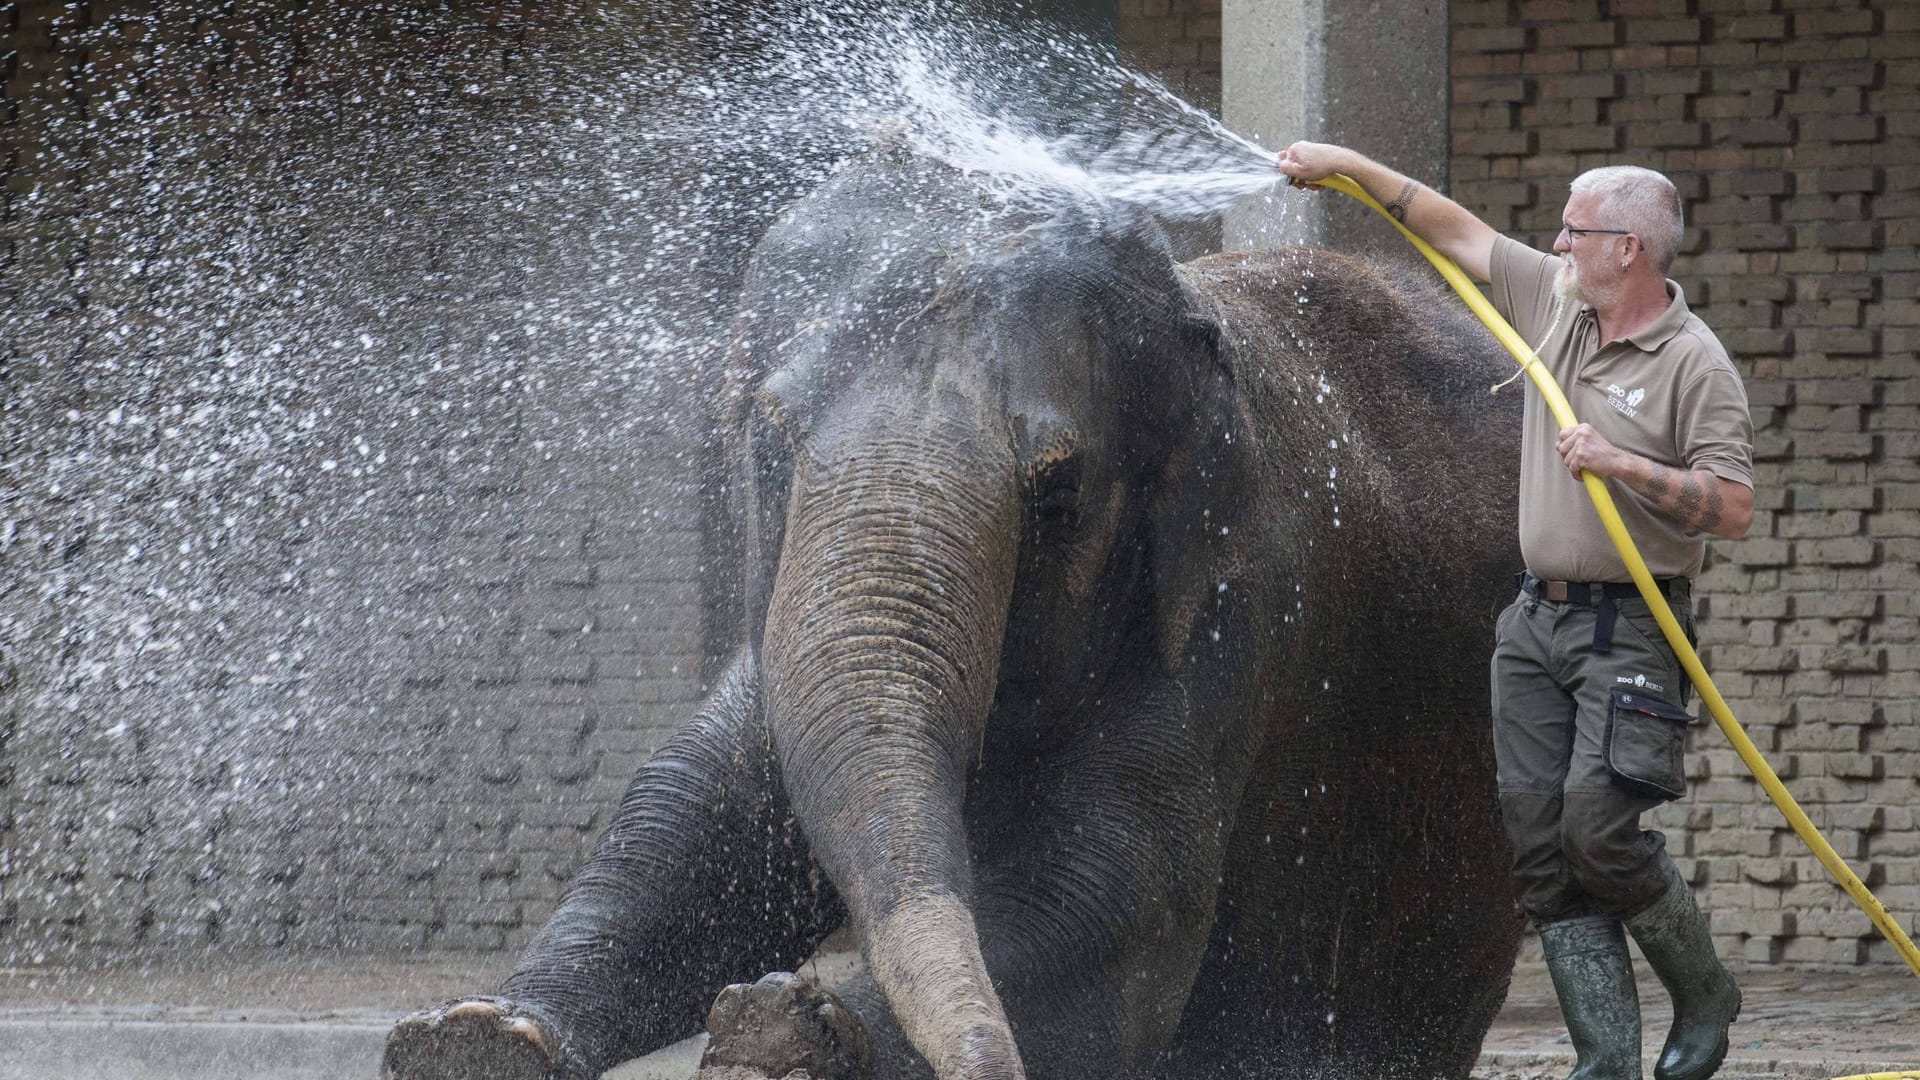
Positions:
(1646, 743)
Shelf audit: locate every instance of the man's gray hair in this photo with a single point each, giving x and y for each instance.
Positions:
(1641, 201)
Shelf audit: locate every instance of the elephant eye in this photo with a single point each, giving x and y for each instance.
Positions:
(1059, 505)
(773, 413)
(1055, 499)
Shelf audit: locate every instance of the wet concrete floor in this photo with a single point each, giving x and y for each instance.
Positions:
(272, 1019)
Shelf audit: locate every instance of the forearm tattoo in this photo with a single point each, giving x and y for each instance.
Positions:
(1698, 503)
(1398, 207)
(1686, 504)
(1710, 515)
(1659, 482)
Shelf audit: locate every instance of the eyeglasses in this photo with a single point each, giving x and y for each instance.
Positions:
(1578, 233)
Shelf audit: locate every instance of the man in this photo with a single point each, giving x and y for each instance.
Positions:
(1588, 698)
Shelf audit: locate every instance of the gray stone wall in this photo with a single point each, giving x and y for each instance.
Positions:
(351, 515)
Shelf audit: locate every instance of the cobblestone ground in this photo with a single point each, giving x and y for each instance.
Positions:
(1797, 1024)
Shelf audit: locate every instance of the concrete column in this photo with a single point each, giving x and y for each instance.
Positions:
(1370, 74)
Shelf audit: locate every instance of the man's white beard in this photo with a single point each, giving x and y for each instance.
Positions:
(1568, 286)
(1566, 283)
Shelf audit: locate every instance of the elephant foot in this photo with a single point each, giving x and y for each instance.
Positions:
(783, 1028)
(477, 1039)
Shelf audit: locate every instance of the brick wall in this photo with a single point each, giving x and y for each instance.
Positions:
(1793, 130)
(350, 521)
(1178, 41)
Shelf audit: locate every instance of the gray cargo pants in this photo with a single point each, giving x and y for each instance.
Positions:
(1568, 721)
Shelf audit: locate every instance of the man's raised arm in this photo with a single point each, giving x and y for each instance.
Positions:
(1448, 226)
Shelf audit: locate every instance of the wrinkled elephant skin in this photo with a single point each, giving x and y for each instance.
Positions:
(1114, 638)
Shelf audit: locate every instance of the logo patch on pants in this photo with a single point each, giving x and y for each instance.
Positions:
(1640, 681)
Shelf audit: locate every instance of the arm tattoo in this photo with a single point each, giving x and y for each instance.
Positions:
(1398, 207)
(1659, 482)
(1696, 505)
(1686, 505)
(1710, 517)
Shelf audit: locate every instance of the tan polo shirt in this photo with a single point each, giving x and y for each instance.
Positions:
(1668, 392)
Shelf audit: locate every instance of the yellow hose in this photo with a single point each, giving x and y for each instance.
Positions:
(1642, 578)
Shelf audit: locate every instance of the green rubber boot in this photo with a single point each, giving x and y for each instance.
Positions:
(1593, 977)
(1672, 934)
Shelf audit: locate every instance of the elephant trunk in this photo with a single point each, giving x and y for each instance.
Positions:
(881, 647)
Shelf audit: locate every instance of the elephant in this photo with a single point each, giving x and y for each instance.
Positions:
(1114, 649)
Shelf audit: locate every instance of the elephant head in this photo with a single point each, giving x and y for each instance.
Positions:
(981, 459)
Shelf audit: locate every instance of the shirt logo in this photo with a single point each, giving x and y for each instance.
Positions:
(1625, 402)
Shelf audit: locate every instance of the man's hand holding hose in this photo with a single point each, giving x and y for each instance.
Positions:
(1452, 229)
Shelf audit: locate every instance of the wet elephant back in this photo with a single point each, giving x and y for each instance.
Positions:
(1323, 347)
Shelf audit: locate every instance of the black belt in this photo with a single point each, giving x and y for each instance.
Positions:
(1599, 595)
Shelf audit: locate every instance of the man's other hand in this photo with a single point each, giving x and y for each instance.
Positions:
(1581, 447)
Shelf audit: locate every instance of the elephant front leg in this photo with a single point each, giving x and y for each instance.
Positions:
(784, 1026)
(701, 879)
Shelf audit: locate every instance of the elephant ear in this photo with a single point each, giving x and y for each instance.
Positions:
(1201, 526)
